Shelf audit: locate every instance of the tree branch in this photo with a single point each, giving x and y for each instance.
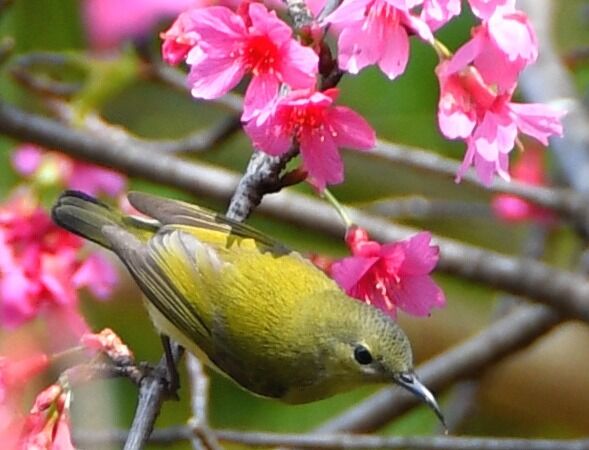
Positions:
(89, 438)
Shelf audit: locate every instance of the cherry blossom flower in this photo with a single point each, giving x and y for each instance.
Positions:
(529, 168)
(500, 49)
(49, 167)
(484, 9)
(40, 266)
(390, 276)
(319, 127)
(437, 13)
(179, 39)
(489, 122)
(376, 32)
(48, 423)
(110, 22)
(257, 43)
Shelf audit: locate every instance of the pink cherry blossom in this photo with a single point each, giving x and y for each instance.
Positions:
(48, 423)
(436, 13)
(319, 127)
(484, 9)
(529, 168)
(110, 22)
(259, 44)
(40, 266)
(52, 167)
(391, 276)
(500, 49)
(376, 32)
(489, 122)
(179, 39)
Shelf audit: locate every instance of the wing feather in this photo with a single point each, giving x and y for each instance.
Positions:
(178, 300)
(175, 212)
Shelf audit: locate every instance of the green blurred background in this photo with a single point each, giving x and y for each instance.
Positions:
(543, 391)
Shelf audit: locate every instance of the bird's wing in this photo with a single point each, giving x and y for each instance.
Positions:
(169, 269)
(222, 229)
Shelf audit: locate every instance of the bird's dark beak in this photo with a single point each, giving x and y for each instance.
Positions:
(409, 381)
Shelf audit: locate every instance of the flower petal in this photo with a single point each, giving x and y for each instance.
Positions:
(352, 130)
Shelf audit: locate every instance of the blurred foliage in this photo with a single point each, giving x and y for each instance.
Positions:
(403, 111)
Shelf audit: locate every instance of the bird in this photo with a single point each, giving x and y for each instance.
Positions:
(247, 306)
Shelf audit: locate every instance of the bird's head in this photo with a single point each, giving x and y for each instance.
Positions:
(371, 347)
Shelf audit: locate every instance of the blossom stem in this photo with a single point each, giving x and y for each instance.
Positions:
(442, 51)
(66, 353)
(338, 207)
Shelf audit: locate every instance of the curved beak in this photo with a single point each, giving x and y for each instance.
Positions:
(409, 381)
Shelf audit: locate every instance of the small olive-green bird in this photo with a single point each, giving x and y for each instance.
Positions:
(260, 314)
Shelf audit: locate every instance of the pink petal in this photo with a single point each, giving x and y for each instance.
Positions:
(219, 28)
(214, 77)
(268, 136)
(537, 120)
(352, 130)
(63, 438)
(466, 162)
(17, 304)
(484, 9)
(495, 134)
(418, 295)
(436, 13)
(421, 256)
(98, 274)
(26, 159)
(260, 95)
(349, 12)
(465, 54)
(418, 26)
(265, 22)
(299, 66)
(456, 117)
(514, 35)
(496, 68)
(321, 159)
(395, 52)
(360, 46)
(95, 180)
(348, 272)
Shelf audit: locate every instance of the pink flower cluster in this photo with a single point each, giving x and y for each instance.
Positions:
(390, 276)
(41, 268)
(528, 168)
(476, 84)
(110, 22)
(476, 89)
(48, 424)
(49, 167)
(222, 46)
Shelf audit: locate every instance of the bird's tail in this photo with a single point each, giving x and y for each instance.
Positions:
(85, 216)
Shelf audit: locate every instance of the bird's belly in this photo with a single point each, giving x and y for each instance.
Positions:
(258, 385)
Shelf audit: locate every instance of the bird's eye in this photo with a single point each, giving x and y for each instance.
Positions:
(362, 355)
(406, 378)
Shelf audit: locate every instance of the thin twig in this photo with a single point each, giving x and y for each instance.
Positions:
(563, 201)
(152, 393)
(199, 389)
(419, 207)
(166, 436)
